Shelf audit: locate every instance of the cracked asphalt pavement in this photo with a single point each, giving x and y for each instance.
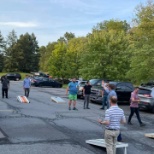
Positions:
(45, 127)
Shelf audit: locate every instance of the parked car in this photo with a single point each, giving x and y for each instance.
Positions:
(98, 82)
(13, 76)
(41, 74)
(81, 84)
(146, 95)
(45, 82)
(123, 90)
(149, 83)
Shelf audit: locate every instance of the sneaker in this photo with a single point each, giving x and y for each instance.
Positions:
(74, 108)
(69, 108)
(88, 108)
(101, 108)
(142, 124)
(84, 108)
(129, 123)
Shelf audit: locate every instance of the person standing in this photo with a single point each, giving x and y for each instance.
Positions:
(105, 92)
(134, 108)
(111, 92)
(86, 94)
(5, 86)
(72, 89)
(27, 85)
(113, 117)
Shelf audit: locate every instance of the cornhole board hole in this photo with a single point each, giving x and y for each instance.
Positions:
(57, 99)
(101, 143)
(22, 99)
(150, 135)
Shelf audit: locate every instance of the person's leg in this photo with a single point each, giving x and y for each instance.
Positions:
(115, 135)
(103, 102)
(74, 102)
(2, 93)
(27, 92)
(70, 101)
(6, 93)
(88, 100)
(108, 104)
(85, 101)
(132, 110)
(138, 115)
(109, 141)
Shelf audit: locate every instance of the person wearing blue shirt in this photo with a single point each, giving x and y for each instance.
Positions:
(111, 92)
(72, 89)
(27, 85)
(105, 92)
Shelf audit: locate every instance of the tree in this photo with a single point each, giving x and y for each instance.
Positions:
(67, 37)
(10, 53)
(2, 46)
(57, 60)
(106, 55)
(75, 48)
(28, 46)
(45, 53)
(112, 25)
(142, 48)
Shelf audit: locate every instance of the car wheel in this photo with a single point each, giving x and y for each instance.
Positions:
(40, 85)
(17, 79)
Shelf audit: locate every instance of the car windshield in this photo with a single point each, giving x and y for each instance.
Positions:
(82, 83)
(144, 91)
(93, 81)
(114, 83)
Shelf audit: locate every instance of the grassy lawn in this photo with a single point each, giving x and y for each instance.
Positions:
(65, 86)
(22, 74)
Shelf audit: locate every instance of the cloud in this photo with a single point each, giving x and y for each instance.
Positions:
(19, 24)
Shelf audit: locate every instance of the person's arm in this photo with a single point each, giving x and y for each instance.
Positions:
(67, 89)
(102, 93)
(123, 120)
(83, 91)
(23, 84)
(106, 121)
(29, 83)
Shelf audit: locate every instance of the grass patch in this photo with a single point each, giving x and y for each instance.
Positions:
(65, 86)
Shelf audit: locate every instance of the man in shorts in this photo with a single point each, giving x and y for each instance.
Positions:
(72, 89)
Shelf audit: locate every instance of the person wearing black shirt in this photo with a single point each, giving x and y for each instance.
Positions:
(5, 86)
(86, 94)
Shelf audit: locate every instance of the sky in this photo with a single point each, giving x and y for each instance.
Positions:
(50, 19)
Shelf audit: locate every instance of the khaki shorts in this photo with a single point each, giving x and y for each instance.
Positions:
(72, 97)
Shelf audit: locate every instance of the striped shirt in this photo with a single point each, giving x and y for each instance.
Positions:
(114, 115)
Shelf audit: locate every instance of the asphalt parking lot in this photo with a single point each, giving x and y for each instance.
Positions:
(45, 127)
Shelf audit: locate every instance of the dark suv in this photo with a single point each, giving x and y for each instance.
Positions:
(14, 76)
(123, 90)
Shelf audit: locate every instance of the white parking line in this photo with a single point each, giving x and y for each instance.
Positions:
(6, 110)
